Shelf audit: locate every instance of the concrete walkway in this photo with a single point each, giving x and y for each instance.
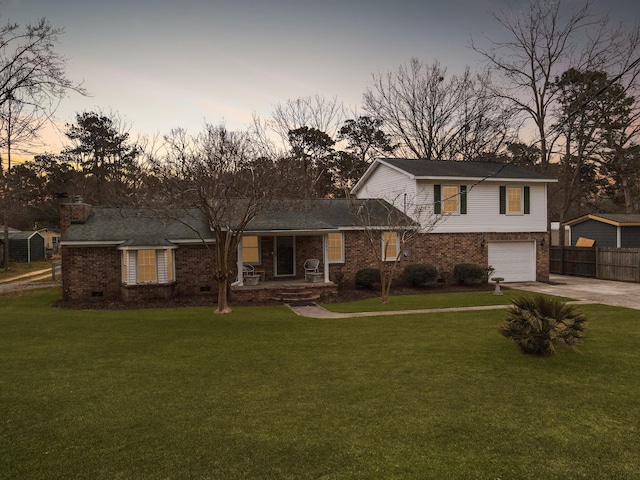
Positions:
(620, 294)
(582, 290)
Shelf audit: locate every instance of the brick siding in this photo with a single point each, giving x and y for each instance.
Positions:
(95, 272)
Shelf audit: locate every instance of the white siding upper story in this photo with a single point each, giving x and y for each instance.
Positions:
(482, 204)
(390, 184)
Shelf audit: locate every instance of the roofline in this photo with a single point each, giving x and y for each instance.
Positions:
(488, 179)
(90, 243)
(192, 241)
(598, 218)
(148, 247)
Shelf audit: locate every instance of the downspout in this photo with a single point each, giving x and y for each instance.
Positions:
(619, 236)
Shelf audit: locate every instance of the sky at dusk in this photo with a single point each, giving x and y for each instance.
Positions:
(163, 64)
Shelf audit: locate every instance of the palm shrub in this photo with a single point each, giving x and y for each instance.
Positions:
(420, 274)
(540, 325)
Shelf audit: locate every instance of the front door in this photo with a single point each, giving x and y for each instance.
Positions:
(285, 256)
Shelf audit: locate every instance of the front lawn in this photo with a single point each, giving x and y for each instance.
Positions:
(429, 300)
(263, 393)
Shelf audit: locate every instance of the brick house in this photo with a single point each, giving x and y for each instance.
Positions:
(133, 254)
(470, 212)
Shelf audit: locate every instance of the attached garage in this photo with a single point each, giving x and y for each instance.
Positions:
(513, 261)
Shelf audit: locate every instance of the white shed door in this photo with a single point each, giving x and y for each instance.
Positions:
(513, 261)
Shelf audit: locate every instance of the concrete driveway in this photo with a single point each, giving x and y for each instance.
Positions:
(621, 294)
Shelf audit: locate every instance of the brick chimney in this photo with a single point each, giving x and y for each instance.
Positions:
(76, 212)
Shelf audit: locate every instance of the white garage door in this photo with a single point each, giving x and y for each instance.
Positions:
(513, 261)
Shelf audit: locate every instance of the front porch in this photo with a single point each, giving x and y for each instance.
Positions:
(286, 257)
(284, 291)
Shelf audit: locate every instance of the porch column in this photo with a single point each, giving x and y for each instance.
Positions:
(240, 280)
(325, 256)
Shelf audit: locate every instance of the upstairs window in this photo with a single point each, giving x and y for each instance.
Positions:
(450, 199)
(515, 200)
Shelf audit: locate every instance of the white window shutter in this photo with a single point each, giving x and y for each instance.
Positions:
(132, 267)
(161, 259)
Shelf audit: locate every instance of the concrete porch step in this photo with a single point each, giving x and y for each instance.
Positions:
(295, 294)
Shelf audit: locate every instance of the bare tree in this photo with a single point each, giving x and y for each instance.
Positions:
(390, 231)
(538, 44)
(33, 81)
(434, 115)
(213, 172)
(314, 112)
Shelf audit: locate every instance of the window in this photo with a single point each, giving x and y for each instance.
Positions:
(390, 246)
(147, 266)
(451, 199)
(251, 249)
(335, 247)
(514, 200)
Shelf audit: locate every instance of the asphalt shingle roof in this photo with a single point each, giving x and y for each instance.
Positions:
(618, 218)
(137, 227)
(463, 169)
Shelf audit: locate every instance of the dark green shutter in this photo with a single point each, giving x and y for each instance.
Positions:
(503, 200)
(463, 199)
(437, 198)
(527, 201)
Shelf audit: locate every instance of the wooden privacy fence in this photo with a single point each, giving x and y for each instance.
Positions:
(622, 264)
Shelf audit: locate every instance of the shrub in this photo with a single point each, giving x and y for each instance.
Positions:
(420, 274)
(540, 325)
(468, 273)
(368, 277)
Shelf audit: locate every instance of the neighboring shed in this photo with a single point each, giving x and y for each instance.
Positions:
(25, 247)
(617, 230)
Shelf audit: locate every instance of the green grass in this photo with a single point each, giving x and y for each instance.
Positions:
(19, 268)
(428, 301)
(262, 393)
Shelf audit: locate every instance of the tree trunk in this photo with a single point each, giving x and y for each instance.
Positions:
(223, 301)
(5, 256)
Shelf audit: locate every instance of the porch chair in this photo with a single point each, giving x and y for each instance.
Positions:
(247, 270)
(311, 268)
(249, 275)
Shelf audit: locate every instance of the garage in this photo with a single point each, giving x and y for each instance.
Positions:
(513, 261)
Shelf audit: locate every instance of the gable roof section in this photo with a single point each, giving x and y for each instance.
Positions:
(615, 219)
(454, 169)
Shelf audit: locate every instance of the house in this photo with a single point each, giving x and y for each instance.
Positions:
(51, 239)
(25, 246)
(618, 230)
(133, 254)
(488, 213)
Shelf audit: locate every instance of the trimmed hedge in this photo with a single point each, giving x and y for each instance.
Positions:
(420, 274)
(368, 278)
(469, 273)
